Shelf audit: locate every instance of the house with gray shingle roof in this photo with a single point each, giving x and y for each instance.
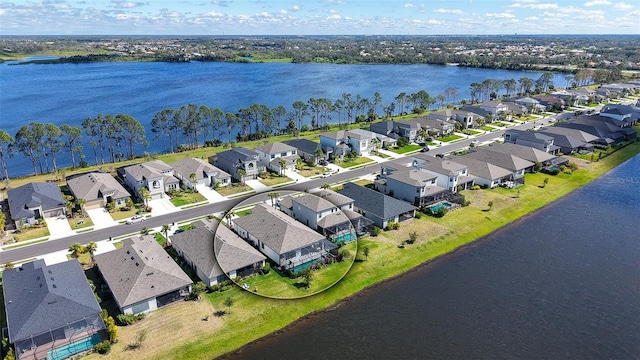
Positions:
(517, 165)
(33, 201)
(376, 206)
(156, 176)
(235, 159)
(528, 153)
(142, 276)
(205, 173)
(450, 174)
(281, 238)
(568, 144)
(343, 141)
(412, 185)
(308, 150)
(49, 307)
(533, 139)
(216, 253)
(485, 173)
(98, 189)
(271, 155)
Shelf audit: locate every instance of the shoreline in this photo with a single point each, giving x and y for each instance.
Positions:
(349, 296)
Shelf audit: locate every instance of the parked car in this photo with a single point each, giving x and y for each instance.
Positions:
(441, 156)
(178, 231)
(424, 149)
(136, 219)
(325, 175)
(323, 162)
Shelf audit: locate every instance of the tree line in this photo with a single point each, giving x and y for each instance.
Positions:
(114, 138)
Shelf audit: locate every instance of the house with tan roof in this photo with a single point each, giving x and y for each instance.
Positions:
(189, 169)
(278, 157)
(142, 276)
(156, 176)
(287, 242)
(216, 253)
(97, 189)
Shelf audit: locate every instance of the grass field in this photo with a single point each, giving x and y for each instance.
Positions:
(32, 234)
(355, 162)
(252, 316)
(449, 138)
(406, 149)
(233, 189)
(275, 180)
(186, 198)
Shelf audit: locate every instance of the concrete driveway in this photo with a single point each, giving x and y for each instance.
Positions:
(101, 218)
(161, 206)
(211, 195)
(59, 227)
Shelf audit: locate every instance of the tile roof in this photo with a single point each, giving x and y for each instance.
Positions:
(374, 202)
(277, 230)
(140, 270)
(95, 185)
(32, 195)
(39, 298)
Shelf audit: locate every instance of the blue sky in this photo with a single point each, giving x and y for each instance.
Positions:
(318, 17)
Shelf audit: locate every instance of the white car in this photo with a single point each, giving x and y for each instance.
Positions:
(325, 175)
(136, 219)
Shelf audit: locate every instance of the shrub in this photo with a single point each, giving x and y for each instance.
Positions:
(375, 231)
(265, 269)
(418, 215)
(475, 187)
(103, 347)
(128, 319)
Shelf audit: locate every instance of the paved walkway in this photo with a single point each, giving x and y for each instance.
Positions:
(101, 218)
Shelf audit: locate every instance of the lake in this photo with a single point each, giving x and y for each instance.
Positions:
(69, 93)
(561, 283)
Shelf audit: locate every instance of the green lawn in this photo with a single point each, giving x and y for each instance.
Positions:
(488, 128)
(277, 286)
(406, 149)
(185, 198)
(471, 132)
(312, 171)
(275, 180)
(357, 161)
(32, 234)
(501, 124)
(233, 189)
(449, 138)
(80, 222)
(119, 214)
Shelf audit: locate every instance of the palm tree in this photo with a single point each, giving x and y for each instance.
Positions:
(242, 174)
(325, 186)
(91, 248)
(81, 203)
(193, 178)
(282, 162)
(273, 195)
(165, 230)
(144, 194)
(76, 250)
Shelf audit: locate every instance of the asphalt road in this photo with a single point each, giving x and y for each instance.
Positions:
(39, 249)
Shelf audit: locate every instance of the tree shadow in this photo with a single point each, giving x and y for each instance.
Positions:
(300, 285)
(220, 313)
(132, 347)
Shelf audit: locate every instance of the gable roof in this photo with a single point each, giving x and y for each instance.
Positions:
(575, 133)
(566, 141)
(374, 202)
(238, 154)
(32, 195)
(483, 169)
(147, 170)
(333, 197)
(304, 145)
(95, 185)
(140, 270)
(413, 177)
(232, 252)
(313, 202)
(187, 166)
(438, 165)
(275, 148)
(522, 151)
(39, 298)
(504, 160)
(277, 230)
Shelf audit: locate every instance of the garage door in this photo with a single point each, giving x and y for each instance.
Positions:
(93, 205)
(54, 213)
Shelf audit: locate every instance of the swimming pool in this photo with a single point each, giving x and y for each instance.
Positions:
(348, 237)
(73, 348)
(436, 207)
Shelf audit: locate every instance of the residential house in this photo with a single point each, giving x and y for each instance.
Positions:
(485, 173)
(30, 202)
(235, 159)
(533, 139)
(190, 169)
(278, 157)
(97, 189)
(531, 104)
(156, 176)
(606, 133)
(433, 126)
(216, 253)
(567, 143)
(414, 186)
(466, 118)
(516, 165)
(376, 206)
(347, 207)
(319, 214)
(490, 110)
(515, 109)
(396, 129)
(551, 102)
(287, 242)
(630, 115)
(528, 153)
(51, 311)
(343, 141)
(141, 275)
(449, 174)
(309, 151)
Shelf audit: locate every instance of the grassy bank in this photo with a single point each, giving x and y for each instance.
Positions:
(194, 332)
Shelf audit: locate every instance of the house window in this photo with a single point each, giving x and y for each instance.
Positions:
(250, 166)
(156, 184)
(283, 154)
(273, 156)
